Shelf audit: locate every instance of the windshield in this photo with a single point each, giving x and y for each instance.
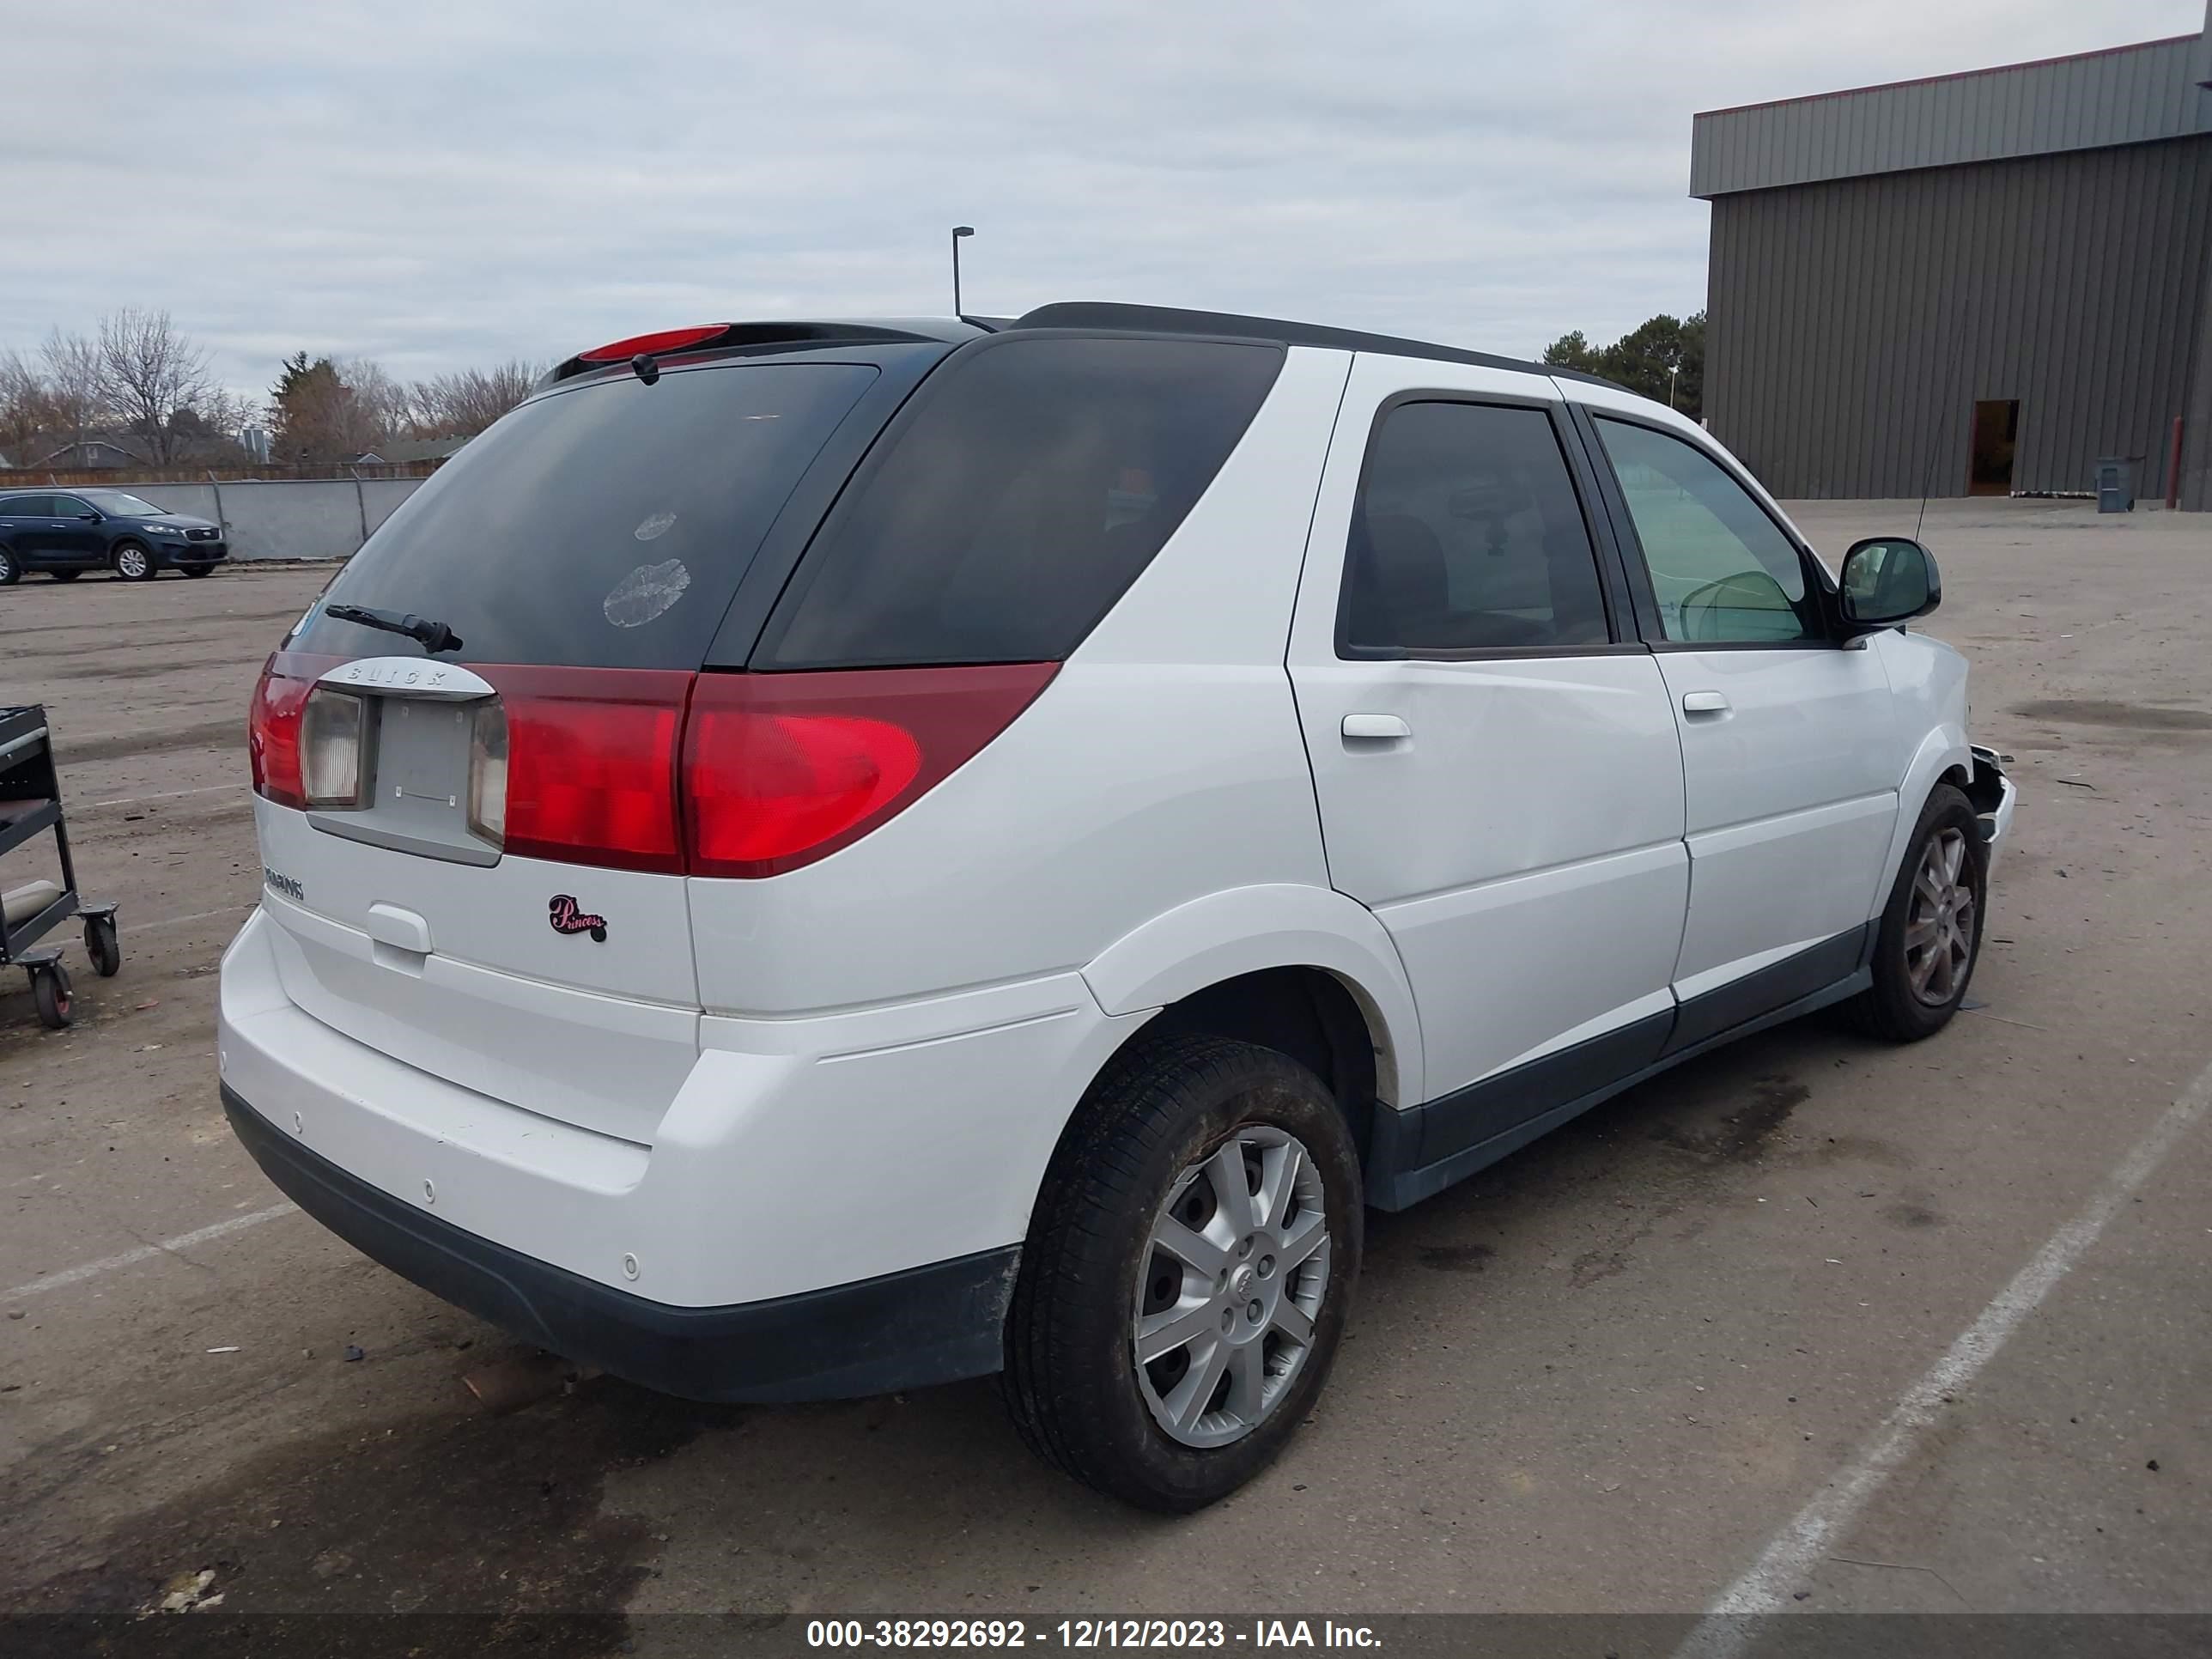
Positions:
(116, 504)
(605, 527)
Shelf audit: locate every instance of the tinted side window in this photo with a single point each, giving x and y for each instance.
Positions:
(1721, 569)
(25, 506)
(70, 506)
(1466, 535)
(1015, 501)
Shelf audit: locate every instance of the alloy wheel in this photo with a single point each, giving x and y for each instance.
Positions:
(1939, 925)
(1235, 1273)
(131, 563)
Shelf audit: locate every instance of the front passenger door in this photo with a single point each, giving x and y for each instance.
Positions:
(77, 537)
(1789, 751)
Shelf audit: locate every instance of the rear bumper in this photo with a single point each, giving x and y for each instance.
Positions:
(936, 1323)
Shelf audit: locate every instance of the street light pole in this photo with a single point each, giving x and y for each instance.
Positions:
(958, 231)
(1673, 372)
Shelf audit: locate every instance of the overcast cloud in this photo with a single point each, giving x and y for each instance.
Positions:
(439, 185)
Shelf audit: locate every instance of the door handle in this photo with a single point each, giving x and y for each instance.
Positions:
(1376, 727)
(1704, 702)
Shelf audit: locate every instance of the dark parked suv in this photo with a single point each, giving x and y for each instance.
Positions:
(65, 532)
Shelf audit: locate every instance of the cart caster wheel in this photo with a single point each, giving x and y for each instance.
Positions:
(102, 945)
(50, 986)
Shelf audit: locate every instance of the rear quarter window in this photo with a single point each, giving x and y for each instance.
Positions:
(1016, 499)
(605, 527)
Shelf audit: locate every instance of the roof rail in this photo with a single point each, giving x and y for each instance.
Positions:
(1169, 319)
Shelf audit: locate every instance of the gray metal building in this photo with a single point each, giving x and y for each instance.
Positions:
(1977, 284)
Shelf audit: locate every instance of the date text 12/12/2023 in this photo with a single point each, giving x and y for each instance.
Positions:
(1088, 1633)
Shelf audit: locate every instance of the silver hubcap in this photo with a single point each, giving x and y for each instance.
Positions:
(1939, 926)
(131, 562)
(1234, 1276)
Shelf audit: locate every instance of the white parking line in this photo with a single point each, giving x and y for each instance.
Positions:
(166, 794)
(237, 1224)
(1729, 1625)
(178, 921)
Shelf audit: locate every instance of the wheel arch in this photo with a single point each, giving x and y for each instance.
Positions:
(1242, 957)
(1943, 757)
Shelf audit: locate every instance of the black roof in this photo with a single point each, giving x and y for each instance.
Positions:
(1168, 319)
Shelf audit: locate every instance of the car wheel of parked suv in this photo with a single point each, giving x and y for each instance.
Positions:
(1931, 929)
(10, 572)
(133, 562)
(1187, 1277)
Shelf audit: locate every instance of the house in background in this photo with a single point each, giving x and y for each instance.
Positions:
(93, 454)
(401, 451)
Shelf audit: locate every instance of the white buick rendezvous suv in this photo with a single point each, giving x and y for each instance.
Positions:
(815, 859)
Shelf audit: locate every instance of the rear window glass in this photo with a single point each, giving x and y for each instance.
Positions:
(604, 527)
(1016, 500)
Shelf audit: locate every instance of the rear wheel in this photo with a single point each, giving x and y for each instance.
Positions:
(103, 946)
(10, 572)
(51, 989)
(1187, 1274)
(1931, 929)
(133, 562)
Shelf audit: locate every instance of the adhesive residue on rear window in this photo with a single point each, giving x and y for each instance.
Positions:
(646, 592)
(659, 524)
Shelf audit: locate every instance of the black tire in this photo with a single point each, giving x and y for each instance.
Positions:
(51, 989)
(147, 569)
(11, 572)
(65, 575)
(1071, 1379)
(102, 945)
(1891, 1009)
(195, 569)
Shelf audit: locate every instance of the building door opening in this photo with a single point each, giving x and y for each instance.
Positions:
(1997, 429)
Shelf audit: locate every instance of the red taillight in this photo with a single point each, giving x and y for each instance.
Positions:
(591, 764)
(652, 345)
(781, 770)
(272, 729)
(707, 775)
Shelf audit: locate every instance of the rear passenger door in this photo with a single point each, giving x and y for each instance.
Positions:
(1496, 766)
(1789, 747)
(30, 527)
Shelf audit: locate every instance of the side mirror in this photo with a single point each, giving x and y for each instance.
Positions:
(88, 517)
(1888, 579)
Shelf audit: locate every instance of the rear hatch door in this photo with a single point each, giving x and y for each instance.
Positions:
(584, 550)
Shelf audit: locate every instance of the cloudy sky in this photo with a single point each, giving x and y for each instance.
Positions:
(438, 185)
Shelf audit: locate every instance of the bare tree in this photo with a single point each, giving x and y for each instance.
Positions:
(463, 405)
(149, 371)
(24, 411)
(378, 408)
(75, 401)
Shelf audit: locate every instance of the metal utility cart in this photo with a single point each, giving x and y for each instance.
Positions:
(31, 804)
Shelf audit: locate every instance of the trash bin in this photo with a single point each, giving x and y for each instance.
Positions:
(2116, 484)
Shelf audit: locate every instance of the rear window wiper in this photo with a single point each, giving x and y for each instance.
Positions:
(432, 637)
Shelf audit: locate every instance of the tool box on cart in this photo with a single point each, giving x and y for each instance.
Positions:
(30, 807)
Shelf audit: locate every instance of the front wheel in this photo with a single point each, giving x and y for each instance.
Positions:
(1930, 934)
(103, 946)
(51, 989)
(134, 563)
(1187, 1272)
(10, 571)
